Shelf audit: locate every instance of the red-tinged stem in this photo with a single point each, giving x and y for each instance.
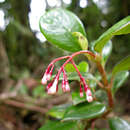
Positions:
(103, 73)
(72, 56)
(81, 77)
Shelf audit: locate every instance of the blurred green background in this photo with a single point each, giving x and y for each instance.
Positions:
(25, 53)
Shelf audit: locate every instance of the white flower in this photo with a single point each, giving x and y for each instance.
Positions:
(89, 98)
(67, 87)
(52, 89)
(89, 95)
(44, 79)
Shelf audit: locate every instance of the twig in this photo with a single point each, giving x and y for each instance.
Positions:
(25, 106)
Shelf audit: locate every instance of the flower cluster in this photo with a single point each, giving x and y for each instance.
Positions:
(52, 87)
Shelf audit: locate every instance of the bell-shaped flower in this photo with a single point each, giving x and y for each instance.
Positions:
(89, 95)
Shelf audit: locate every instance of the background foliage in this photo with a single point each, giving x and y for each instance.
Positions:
(23, 58)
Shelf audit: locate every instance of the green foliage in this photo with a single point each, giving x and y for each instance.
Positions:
(119, 79)
(58, 25)
(66, 31)
(122, 27)
(122, 65)
(85, 111)
(59, 111)
(77, 99)
(118, 124)
(82, 66)
(107, 49)
(57, 125)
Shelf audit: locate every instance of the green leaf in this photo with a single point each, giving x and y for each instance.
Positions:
(69, 68)
(119, 79)
(118, 124)
(57, 26)
(58, 111)
(83, 66)
(57, 125)
(122, 27)
(85, 111)
(122, 65)
(106, 52)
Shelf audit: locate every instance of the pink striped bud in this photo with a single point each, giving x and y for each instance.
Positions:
(47, 74)
(50, 73)
(65, 84)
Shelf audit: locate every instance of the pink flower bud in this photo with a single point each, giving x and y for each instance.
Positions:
(47, 74)
(50, 73)
(63, 85)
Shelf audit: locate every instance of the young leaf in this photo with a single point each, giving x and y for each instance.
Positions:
(118, 124)
(107, 49)
(83, 66)
(57, 125)
(58, 25)
(119, 79)
(85, 111)
(122, 27)
(69, 68)
(83, 42)
(122, 65)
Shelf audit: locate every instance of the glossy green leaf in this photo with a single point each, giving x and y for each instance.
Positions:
(122, 65)
(58, 111)
(122, 27)
(118, 124)
(119, 79)
(57, 26)
(107, 49)
(85, 111)
(58, 125)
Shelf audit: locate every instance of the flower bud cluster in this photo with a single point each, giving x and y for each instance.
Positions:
(52, 87)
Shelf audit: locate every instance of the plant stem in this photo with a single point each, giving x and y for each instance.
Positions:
(103, 73)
